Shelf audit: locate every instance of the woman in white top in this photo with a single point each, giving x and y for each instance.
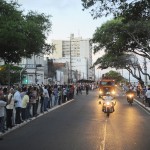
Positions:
(9, 109)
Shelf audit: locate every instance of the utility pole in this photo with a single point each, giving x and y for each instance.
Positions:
(70, 63)
(145, 70)
(35, 67)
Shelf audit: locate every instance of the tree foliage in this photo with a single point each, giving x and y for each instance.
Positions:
(117, 37)
(124, 61)
(129, 9)
(9, 73)
(21, 35)
(114, 75)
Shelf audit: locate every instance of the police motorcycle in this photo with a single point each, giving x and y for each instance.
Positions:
(130, 96)
(108, 104)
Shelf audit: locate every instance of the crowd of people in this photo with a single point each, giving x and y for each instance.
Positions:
(19, 104)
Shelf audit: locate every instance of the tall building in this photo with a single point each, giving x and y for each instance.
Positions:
(75, 48)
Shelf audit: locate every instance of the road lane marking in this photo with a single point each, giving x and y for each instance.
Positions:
(103, 142)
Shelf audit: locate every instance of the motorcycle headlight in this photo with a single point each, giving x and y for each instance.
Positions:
(130, 95)
(100, 92)
(107, 103)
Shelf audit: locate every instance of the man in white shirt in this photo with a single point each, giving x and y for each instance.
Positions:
(108, 98)
(18, 105)
(46, 98)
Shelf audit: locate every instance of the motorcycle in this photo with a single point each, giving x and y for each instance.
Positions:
(108, 107)
(130, 98)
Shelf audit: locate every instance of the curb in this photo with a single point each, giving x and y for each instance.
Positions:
(33, 118)
(142, 105)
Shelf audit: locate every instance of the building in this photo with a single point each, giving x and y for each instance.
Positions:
(34, 68)
(78, 53)
(57, 72)
(79, 71)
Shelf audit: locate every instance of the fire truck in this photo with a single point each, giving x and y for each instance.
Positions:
(107, 85)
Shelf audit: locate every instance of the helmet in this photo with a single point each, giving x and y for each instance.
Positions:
(108, 93)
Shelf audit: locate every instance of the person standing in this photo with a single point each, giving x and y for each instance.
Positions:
(41, 97)
(64, 95)
(33, 97)
(59, 95)
(2, 114)
(147, 94)
(46, 97)
(50, 97)
(25, 101)
(55, 92)
(9, 109)
(87, 89)
(18, 105)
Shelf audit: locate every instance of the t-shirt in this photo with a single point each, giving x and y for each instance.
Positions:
(45, 93)
(11, 101)
(2, 108)
(25, 101)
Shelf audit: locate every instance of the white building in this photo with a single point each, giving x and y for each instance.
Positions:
(78, 53)
(34, 68)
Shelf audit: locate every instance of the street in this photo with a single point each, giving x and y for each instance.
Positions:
(81, 125)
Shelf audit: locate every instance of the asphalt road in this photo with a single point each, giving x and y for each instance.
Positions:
(81, 125)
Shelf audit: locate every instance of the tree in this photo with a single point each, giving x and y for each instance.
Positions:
(114, 75)
(116, 37)
(124, 61)
(21, 35)
(9, 74)
(130, 10)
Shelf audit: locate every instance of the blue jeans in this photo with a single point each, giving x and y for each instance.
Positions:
(45, 103)
(28, 109)
(56, 100)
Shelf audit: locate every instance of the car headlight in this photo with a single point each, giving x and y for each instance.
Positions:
(113, 92)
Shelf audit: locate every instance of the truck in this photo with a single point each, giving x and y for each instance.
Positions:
(107, 85)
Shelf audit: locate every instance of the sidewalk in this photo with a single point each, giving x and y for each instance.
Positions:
(142, 103)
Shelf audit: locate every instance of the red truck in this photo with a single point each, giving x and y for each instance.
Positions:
(107, 85)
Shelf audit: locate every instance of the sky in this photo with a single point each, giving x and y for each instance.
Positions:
(67, 17)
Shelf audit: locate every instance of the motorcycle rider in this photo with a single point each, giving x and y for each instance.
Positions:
(130, 92)
(108, 98)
